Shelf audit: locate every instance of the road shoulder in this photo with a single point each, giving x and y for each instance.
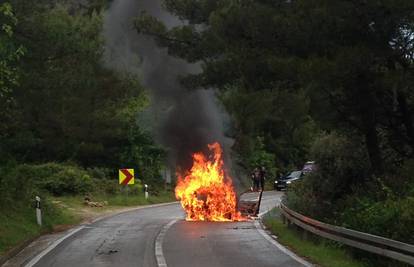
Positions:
(29, 250)
(261, 228)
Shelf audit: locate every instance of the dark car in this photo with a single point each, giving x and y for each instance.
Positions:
(284, 181)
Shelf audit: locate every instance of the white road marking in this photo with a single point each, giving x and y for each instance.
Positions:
(159, 254)
(133, 209)
(75, 230)
(51, 247)
(279, 246)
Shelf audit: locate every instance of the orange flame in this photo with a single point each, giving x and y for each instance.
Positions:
(206, 193)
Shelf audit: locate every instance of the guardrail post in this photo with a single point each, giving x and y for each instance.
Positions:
(305, 235)
(146, 191)
(289, 223)
(283, 218)
(38, 211)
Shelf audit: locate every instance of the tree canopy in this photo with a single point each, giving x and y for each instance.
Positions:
(346, 65)
(64, 104)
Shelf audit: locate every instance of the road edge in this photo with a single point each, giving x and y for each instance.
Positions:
(69, 232)
(272, 239)
(43, 253)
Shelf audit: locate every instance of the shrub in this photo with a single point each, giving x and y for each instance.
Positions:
(342, 167)
(70, 180)
(392, 218)
(15, 185)
(56, 179)
(99, 173)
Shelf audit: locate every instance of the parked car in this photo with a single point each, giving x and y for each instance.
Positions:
(284, 181)
(309, 166)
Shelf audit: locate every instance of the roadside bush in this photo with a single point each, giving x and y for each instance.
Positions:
(15, 186)
(106, 186)
(342, 168)
(392, 218)
(258, 157)
(342, 192)
(54, 178)
(17, 194)
(403, 182)
(100, 173)
(70, 180)
(60, 179)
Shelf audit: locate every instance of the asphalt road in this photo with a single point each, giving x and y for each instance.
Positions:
(129, 239)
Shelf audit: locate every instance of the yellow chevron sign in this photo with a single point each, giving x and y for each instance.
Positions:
(126, 176)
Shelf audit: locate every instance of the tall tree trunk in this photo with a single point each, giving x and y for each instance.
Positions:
(374, 153)
(406, 117)
(368, 109)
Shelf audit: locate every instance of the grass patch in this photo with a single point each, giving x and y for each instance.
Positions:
(133, 200)
(118, 200)
(19, 224)
(324, 253)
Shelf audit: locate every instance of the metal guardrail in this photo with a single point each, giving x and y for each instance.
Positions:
(375, 244)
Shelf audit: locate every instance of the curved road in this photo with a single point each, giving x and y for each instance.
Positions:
(128, 239)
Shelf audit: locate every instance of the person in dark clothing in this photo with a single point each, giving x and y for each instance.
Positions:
(256, 179)
(262, 177)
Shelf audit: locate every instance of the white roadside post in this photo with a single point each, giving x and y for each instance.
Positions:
(146, 191)
(38, 211)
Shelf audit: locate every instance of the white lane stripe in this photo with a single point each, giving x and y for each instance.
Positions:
(132, 209)
(280, 247)
(75, 230)
(159, 254)
(51, 247)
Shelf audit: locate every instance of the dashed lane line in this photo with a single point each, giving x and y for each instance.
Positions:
(159, 254)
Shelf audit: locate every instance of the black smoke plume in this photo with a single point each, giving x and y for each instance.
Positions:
(183, 121)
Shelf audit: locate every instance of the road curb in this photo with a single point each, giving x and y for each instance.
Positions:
(261, 228)
(40, 255)
(19, 248)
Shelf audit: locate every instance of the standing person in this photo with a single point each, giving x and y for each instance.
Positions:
(253, 184)
(262, 177)
(256, 179)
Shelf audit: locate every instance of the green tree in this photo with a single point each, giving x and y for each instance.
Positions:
(353, 59)
(10, 53)
(69, 106)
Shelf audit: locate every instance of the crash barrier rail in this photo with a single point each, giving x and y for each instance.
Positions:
(375, 244)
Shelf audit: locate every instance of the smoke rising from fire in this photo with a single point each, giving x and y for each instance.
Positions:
(183, 121)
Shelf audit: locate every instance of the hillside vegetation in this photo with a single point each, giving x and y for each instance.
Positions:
(330, 81)
(67, 123)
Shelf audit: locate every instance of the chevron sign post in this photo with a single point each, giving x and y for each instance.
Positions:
(126, 176)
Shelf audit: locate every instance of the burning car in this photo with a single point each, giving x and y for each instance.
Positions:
(206, 192)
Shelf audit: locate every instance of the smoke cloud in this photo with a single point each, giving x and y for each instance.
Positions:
(183, 121)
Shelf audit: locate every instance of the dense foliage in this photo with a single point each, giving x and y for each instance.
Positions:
(352, 61)
(330, 81)
(10, 53)
(65, 105)
(60, 104)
